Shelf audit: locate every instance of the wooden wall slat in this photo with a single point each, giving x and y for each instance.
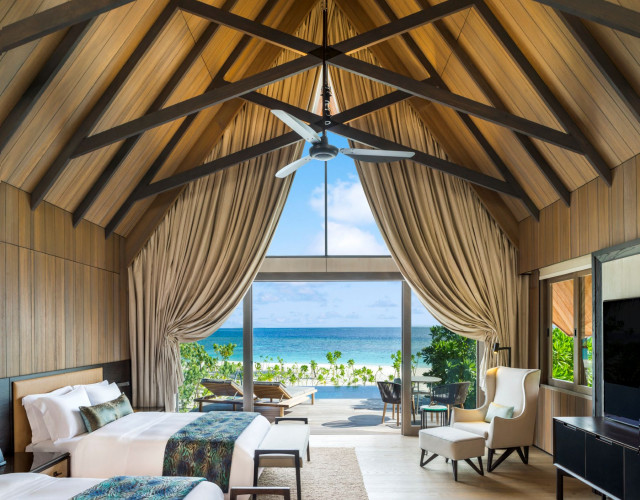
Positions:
(553, 402)
(600, 216)
(60, 290)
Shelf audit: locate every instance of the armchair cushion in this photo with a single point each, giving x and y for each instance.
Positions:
(496, 410)
(477, 428)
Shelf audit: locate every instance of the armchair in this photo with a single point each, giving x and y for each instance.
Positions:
(509, 387)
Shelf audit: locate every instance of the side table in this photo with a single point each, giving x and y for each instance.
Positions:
(440, 411)
(54, 464)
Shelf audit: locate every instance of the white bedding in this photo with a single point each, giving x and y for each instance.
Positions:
(43, 487)
(134, 446)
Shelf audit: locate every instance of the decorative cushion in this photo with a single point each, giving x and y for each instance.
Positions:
(61, 414)
(99, 394)
(496, 410)
(100, 415)
(39, 430)
(452, 443)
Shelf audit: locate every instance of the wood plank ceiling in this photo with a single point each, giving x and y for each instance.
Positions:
(510, 59)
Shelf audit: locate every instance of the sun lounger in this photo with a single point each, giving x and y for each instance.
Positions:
(223, 392)
(281, 396)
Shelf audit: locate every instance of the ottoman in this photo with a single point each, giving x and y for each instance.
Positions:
(452, 444)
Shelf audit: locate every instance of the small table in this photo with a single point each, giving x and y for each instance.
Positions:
(54, 464)
(439, 410)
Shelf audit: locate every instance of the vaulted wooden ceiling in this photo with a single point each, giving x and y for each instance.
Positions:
(529, 99)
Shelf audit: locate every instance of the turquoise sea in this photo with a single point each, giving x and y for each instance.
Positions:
(370, 346)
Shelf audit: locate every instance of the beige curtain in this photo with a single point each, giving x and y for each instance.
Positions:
(203, 257)
(447, 246)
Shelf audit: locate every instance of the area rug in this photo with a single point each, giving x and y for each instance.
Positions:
(332, 473)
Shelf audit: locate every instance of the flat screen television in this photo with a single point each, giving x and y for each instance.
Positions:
(621, 360)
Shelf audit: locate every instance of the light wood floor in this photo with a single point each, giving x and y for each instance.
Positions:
(390, 468)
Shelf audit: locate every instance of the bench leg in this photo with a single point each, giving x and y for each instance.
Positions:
(298, 486)
(454, 464)
(308, 454)
(424, 462)
(255, 475)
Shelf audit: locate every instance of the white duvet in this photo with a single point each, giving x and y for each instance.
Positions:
(134, 446)
(43, 487)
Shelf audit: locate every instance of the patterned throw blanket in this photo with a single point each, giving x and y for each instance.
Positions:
(204, 447)
(128, 487)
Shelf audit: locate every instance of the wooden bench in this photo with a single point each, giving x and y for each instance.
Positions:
(284, 446)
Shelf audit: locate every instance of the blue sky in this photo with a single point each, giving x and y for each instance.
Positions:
(351, 231)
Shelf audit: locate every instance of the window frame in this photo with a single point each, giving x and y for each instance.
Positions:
(578, 328)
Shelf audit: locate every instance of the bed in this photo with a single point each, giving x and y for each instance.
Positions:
(42, 487)
(132, 445)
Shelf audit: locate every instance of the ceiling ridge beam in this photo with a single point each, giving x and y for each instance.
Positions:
(554, 105)
(604, 63)
(91, 119)
(525, 141)
(41, 82)
(158, 163)
(54, 19)
(598, 11)
(124, 150)
(493, 155)
(248, 26)
(402, 25)
(187, 107)
(455, 101)
(218, 165)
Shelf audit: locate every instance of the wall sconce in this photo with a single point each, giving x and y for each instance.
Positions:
(497, 348)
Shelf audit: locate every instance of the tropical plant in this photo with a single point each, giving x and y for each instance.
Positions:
(562, 355)
(196, 365)
(452, 358)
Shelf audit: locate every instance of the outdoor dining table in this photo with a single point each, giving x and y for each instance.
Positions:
(423, 379)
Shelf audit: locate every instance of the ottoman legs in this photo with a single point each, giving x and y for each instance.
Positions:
(424, 462)
(454, 464)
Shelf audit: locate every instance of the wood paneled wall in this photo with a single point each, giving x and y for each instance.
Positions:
(61, 300)
(599, 217)
(555, 402)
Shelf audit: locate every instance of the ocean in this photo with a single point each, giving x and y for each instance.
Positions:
(369, 346)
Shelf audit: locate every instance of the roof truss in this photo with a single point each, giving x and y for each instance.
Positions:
(433, 89)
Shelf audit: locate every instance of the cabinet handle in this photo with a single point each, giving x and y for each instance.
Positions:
(56, 473)
(570, 427)
(604, 440)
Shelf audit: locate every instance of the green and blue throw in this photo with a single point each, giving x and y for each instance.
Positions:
(204, 447)
(138, 487)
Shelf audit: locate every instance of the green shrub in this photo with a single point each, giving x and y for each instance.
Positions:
(562, 355)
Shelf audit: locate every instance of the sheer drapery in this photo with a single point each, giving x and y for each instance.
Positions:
(202, 258)
(447, 246)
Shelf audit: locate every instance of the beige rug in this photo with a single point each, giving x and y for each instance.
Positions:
(332, 473)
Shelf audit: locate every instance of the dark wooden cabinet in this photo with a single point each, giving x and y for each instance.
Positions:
(599, 452)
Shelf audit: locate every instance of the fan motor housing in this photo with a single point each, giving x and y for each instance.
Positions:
(323, 152)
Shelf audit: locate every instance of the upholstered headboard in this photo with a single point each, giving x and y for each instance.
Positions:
(22, 388)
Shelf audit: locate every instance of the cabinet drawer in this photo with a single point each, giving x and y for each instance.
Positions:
(631, 474)
(61, 469)
(605, 465)
(569, 447)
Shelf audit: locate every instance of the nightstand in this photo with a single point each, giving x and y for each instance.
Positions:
(54, 464)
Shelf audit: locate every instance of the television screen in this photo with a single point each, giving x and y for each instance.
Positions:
(621, 359)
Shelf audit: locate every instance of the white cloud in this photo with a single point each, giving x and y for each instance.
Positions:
(347, 203)
(347, 239)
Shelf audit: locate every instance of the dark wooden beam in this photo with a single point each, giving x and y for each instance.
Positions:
(248, 26)
(604, 63)
(561, 114)
(472, 69)
(218, 165)
(54, 19)
(57, 167)
(466, 119)
(195, 104)
(457, 102)
(601, 12)
(155, 167)
(428, 160)
(402, 25)
(41, 81)
(160, 100)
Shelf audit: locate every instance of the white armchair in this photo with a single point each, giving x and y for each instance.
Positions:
(508, 387)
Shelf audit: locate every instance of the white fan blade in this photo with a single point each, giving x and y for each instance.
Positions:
(292, 167)
(298, 126)
(376, 155)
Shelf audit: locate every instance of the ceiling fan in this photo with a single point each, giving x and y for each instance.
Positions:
(321, 149)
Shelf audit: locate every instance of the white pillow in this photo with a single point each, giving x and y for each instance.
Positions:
(102, 393)
(39, 430)
(61, 414)
(104, 382)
